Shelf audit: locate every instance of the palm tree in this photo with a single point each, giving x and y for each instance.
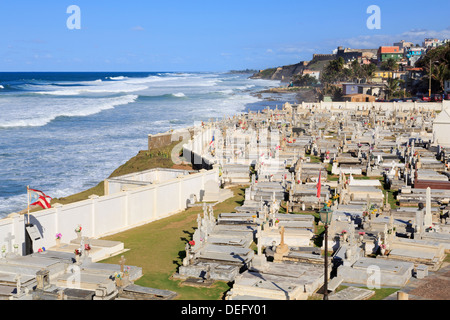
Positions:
(440, 74)
(369, 70)
(392, 86)
(389, 65)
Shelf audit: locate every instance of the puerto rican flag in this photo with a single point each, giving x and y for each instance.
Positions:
(319, 185)
(39, 198)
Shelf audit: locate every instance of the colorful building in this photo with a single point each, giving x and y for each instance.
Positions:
(385, 53)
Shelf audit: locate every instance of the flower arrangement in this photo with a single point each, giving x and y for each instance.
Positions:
(41, 249)
(3, 249)
(78, 229)
(277, 221)
(87, 247)
(121, 275)
(344, 231)
(58, 236)
(361, 233)
(77, 252)
(192, 243)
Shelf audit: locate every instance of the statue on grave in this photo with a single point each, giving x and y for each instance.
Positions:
(282, 249)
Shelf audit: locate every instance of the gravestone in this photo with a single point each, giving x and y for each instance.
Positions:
(427, 221)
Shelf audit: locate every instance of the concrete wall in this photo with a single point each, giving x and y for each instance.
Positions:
(400, 106)
(101, 216)
(166, 138)
(134, 180)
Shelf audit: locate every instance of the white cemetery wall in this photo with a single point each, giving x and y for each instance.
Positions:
(405, 106)
(101, 216)
(68, 218)
(141, 205)
(167, 199)
(11, 232)
(108, 213)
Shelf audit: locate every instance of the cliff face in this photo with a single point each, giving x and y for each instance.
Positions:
(284, 73)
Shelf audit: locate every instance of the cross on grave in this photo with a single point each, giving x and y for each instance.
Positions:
(122, 263)
(9, 238)
(18, 284)
(258, 236)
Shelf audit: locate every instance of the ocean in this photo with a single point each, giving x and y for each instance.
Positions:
(63, 133)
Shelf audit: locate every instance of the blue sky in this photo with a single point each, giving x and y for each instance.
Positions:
(197, 35)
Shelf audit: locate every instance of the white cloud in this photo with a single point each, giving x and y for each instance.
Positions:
(137, 28)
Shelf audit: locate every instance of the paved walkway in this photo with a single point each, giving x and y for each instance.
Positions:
(436, 286)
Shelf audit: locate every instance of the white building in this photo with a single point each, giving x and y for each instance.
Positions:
(447, 86)
(441, 128)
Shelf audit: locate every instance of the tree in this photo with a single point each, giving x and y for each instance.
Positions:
(392, 86)
(304, 80)
(441, 73)
(389, 65)
(439, 61)
(333, 71)
(369, 70)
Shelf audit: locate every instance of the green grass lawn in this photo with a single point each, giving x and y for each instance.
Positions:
(380, 294)
(158, 248)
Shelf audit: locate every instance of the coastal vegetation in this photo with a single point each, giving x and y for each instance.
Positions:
(437, 63)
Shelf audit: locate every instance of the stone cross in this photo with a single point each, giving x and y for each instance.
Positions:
(282, 236)
(18, 284)
(391, 228)
(419, 219)
(352, 233)
(258, 235)
(122, 263)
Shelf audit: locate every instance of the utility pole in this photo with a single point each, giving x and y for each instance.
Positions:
(429, 80)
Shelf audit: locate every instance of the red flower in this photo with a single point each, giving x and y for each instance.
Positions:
(192, 243)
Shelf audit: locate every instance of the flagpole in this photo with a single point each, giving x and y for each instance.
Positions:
(319, 187)
(28, 203)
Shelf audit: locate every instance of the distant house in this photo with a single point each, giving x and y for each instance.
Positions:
(370, 89)
(383, 74)
(349, 88)
(414, 54)
(358, 97)
(385, 53)
(431, 43)
(349, 54)
(404, 45)
(312, 73)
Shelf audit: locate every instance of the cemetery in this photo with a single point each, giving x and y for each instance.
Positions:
(334, 203)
